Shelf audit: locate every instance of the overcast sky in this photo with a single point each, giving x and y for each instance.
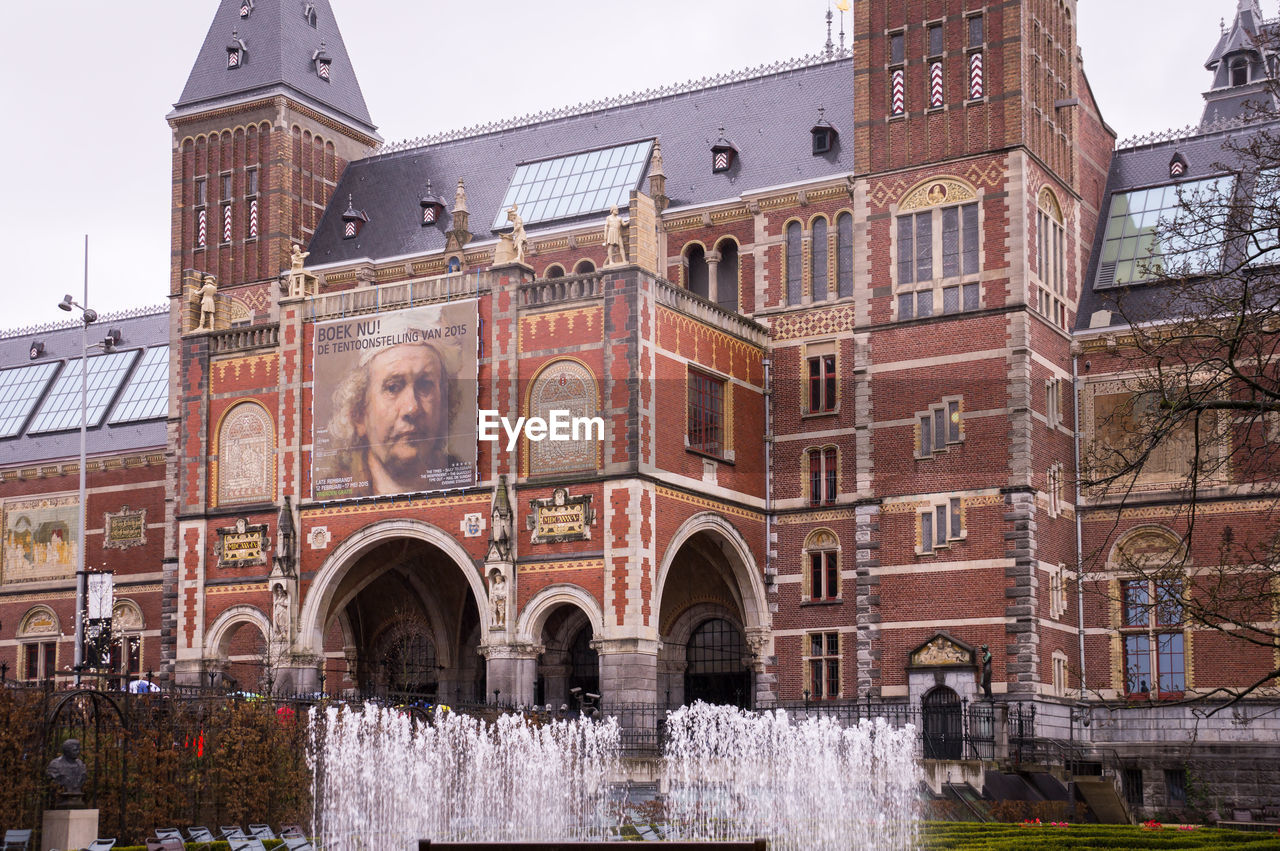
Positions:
(88, 149)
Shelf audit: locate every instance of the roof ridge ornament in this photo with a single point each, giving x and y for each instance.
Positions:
(587, 107)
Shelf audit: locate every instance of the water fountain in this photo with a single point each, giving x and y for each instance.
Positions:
(383, 781)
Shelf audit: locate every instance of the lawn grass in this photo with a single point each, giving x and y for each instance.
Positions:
(936, 836)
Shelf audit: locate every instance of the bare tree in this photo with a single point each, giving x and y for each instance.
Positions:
(1192, 417)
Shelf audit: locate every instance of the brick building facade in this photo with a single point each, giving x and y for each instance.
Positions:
(834, 368)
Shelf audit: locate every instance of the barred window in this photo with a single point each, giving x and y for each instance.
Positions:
(706, 413)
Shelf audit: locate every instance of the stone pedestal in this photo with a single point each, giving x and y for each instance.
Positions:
(628, 670)
(63, 829)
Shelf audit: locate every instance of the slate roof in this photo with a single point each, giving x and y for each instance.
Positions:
(279, 45)
(62, 343)
(768, 117)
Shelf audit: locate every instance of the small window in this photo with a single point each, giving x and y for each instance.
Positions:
(822, 384)
(584, 267)
(555, 270)
(824, 482)
(706, 413)
(1239, 72)
(823, 661)
(1131, 780)
(935, 39)
(976, 34)
(1175, 785)
(1053, 402)
(897, 49)
(251, 182)
(941, 525)
(309, 13)
(824, 575)
(202, 193)
(939, 428)
(226, 187)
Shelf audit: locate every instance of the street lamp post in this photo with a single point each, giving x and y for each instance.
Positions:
(89, 316)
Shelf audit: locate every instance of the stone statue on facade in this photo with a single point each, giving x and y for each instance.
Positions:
(207, 295)
(498, 598)
(986, 671)
(68, 772)
(615, 247)
(297, 258)
(280, 611)
(519, 240)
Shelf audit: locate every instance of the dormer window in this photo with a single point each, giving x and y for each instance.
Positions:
(323, 63)
(237, 53)
(432, 207)
(353, 220)
(309, 13)
(824, 135)
(1177, 165)
(723, 154)
(246, 8)
(1239, 71)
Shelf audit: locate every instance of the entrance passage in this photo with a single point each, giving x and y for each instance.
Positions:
(717, 671)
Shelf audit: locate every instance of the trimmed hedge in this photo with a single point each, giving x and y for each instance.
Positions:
(1014, 837)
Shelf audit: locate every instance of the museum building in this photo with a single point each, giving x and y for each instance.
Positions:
(815, 319)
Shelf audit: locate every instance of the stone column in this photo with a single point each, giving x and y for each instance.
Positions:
(713, 275)
(512, 669)
(628, 669)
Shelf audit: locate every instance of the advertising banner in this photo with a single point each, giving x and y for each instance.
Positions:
(395, 402)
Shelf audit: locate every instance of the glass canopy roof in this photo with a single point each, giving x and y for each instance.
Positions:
(147, 394)
(576, 184)
(20, 389)
(61, 408)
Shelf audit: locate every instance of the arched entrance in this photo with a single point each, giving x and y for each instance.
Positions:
(713, 618)
(943, 730)
(568, 660)
(395, 610)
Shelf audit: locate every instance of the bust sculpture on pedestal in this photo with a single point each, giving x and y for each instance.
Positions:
(68, 772)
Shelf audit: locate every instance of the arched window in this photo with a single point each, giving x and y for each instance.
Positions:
(564, 385)
(455, 265)
(727, 275)
(793, 264)
(716, 671)
(584, 267)
(818, 260)
(844, 255)
(695, 259)
(38, 643)
(126, 640)
(555, 270)
(246, 456)
(822, 563)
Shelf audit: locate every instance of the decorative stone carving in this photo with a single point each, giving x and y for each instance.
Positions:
(565, 385)
(297, 283)
(246, 456)
(279, 611)
(501, 538)
(513, 246)
(942, 651)
(561, 518)
(320, 538)
(472, 525)
(242, 545)
(498, 598)
(125, 617)
(124, 529)
(937, 192)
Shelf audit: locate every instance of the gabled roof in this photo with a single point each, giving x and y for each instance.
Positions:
(767, 112)
(279, 49)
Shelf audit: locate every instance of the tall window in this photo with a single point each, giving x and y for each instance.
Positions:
(1050, 252)
(818, 260)
(822, 383)
(823, 563)
(945, 240)
(844, 255)
(823, 476)
(1151, 613)
(695, 258)
(726, 283)
(939, 428)
(706, 413)
(823, 661)
(794, 264)
(977, 37)
(38, 645)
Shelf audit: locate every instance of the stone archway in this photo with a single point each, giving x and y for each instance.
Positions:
(402, 601)
(236, 650)
(562, 622)
(708, 580)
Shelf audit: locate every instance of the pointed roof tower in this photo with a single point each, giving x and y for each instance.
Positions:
(1243, 62)
(279, 43)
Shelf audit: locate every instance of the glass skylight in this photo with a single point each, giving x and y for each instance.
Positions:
(574, 185)
(61, 408)
(147, 395)
(1132, 250)
(20, 389)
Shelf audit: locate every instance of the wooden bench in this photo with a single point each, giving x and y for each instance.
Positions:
(749, 845)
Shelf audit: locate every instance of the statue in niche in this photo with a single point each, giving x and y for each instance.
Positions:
(986, 671)
(68, 772)
(207, 294)
(614, 244)
(498, 598)
(280, 611)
